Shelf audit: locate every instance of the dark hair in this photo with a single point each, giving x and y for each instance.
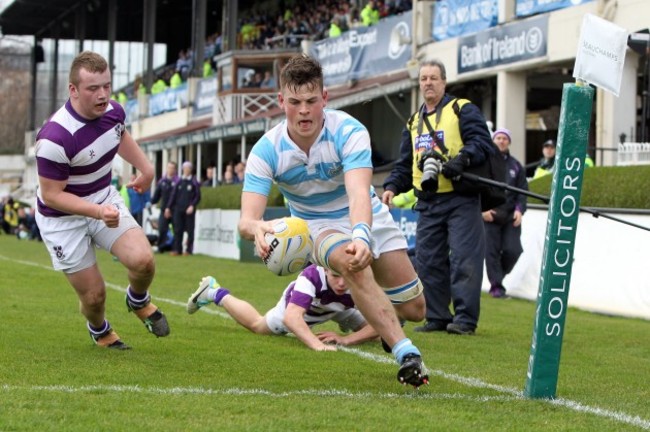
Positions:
(301, 70)
(91, 61)
(439, 64)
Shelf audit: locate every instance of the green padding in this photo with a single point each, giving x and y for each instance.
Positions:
(562, 223)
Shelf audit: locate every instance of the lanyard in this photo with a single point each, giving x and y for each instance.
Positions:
(424, 118)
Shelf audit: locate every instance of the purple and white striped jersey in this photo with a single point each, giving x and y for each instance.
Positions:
(79, 151)
(310, 291)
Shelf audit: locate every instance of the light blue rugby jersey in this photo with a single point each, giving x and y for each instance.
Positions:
(313, 185)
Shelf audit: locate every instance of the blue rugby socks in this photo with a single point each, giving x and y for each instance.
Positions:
(404, 348)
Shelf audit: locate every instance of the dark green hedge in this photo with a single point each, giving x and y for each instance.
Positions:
(607, 187)
(228, 197)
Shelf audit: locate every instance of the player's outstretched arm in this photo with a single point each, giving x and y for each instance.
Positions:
(251, 225)
(357, 186)
(364, 334)
(294, 320)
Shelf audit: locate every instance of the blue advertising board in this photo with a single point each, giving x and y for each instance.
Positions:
(132, 109)
(453, 18)
(532, 7)
(407, 220)
(168, 100)
(206, 93)
(364, 52)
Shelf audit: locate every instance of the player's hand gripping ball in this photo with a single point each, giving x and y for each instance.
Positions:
(290, 247)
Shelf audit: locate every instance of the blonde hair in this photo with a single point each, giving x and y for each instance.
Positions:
(91, 61)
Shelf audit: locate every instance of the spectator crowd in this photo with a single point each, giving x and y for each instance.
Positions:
(19, 219)
(311, 20)
(263, 30)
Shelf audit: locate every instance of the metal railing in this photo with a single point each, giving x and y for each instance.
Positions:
(631, 153)
(238, 106)
(284, 41)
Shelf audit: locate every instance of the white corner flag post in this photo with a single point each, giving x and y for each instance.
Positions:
(599, 61)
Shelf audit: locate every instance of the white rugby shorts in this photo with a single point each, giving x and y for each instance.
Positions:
(386, 234)
(348, 319)
(70, 240)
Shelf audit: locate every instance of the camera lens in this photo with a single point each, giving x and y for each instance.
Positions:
(430, 170)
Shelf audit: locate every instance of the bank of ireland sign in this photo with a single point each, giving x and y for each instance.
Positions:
(510, 43)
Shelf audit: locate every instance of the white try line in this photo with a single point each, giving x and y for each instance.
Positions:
(513, 393)
(254, 392)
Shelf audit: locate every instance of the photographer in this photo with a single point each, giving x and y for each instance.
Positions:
(443, 138)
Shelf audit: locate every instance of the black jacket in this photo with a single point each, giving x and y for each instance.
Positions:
(476, 143)
(515, 176)
(163, 191)
(186, 192)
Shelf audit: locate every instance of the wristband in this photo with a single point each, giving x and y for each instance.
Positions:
(361, 231)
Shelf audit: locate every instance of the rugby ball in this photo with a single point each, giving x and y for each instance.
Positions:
(290, 247)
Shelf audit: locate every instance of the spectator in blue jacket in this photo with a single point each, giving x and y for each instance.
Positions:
(185, 196)
(138, 201)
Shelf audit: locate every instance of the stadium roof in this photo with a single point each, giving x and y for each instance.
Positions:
(52, 18)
